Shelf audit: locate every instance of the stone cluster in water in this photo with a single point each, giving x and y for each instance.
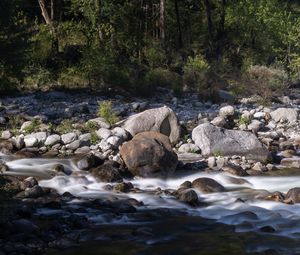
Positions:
(241, 139)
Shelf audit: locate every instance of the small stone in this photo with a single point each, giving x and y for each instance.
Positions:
(211, 162)
(100, 122)
(219, 121)
(68, 138)
(34, 192)
(104, 133)
(73, 145)
(25, 125)
(115, 141)
(188, 148)
(52, 140)
(30, 141)
(83, 150)
(104, 146)
(227, 111)
(6, 134)
(258, 166)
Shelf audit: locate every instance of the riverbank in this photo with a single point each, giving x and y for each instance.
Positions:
(218, 161)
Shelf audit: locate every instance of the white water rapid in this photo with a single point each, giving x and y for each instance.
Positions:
(239, 205)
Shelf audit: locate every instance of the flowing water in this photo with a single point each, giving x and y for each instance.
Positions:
(239, 206)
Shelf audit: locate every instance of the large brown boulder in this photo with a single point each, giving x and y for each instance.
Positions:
(149, 154)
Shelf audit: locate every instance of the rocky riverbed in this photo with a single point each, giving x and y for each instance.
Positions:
(66, 172)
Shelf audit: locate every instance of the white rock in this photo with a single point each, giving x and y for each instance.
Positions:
(30, 141)
(285, 114)
(219, 121)
(227, 111)
(104, 146)
(120, 132)
(211, 162)
(40, 136)
(115, 141)
(6, 134)
(104, 133)
(188, 147)
(25, 125)
(259, 115)
(68, 138)
(100, 122)
(52, 140)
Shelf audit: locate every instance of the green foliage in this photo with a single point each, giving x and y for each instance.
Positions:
(243, 121)
(195, 70)
(33, 127)
(106, 111)
(265, 81)
(94, 138)
(66, 126)
(90, 127)
(218, 153)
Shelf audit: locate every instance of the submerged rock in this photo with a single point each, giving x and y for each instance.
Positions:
(107, 173)
(207, 185)
(149, 154)
(213, 140)
(293, 196)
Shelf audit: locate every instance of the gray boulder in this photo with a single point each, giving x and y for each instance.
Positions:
(52, 140)
(161, 120)
(213, 140)
(285, 114)
(68, 138)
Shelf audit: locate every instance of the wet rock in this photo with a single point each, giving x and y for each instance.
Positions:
(85, 162)
(34, 192)
(188, 147)
(29, 182)
(23, 226)
(293, 196)
(285, 114)
(234, 170)
(207, 185)
(185, 185)
(149, 154)
(288, 153)
(275, 196)
(290, 162)
(212, 140)
(188, 196)
(161, 120)
(106, 172)
(267, 229)
(123, 187)
(52, 140)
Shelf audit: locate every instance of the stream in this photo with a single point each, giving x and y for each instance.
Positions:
(239, 208)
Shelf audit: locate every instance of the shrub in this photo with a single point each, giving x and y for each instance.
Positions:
(66, 126)
(37, 77)
(155, 56)
(265, 81)
(195, 70)
(106, 111)
(72, 77)
(34, 125)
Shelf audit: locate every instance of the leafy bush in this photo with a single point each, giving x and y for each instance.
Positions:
(66, 126)
(34, 125)
(195, 70)
(72, 77)
(106, 111)
(265, 81)
(155, 56)
(36, 76)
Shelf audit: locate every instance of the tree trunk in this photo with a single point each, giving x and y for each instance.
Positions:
(52, 9)
(209, 23)
(180, 43)
(49, 21)
(221, 31)
(162, 7)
